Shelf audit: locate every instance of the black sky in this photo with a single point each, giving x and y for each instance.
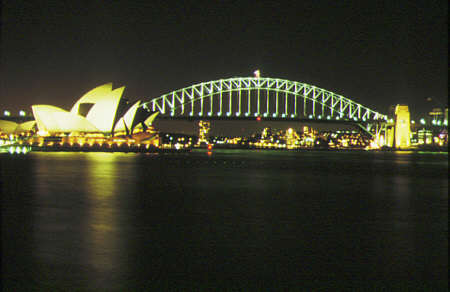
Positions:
(377, 53)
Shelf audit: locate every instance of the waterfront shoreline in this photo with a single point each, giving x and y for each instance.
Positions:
(143, 149)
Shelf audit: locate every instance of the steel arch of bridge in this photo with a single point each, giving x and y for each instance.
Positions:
(265, 97)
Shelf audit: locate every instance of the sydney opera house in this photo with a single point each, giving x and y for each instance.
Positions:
(100, 116)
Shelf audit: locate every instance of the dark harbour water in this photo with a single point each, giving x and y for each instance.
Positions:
(232, 221)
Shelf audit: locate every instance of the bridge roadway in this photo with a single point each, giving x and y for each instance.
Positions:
(265, 119)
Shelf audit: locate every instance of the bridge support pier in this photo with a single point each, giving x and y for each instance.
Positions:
(402, 127)
(397, 133)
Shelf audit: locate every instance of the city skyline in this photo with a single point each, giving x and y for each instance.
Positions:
(377, 54)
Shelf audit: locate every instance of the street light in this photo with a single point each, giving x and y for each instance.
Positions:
(6, 113)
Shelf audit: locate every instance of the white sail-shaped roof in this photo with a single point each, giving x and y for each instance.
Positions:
(26, 126)
(7, 127)
(148, 122)
(93, 96)
(52, 119)
(125, 122)
(96, 111)
(104, 102)
(10, 127)
(103, 112)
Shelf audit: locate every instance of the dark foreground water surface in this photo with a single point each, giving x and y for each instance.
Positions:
(230, 221)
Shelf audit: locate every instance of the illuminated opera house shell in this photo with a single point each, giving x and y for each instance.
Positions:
(101, 110)
(10, 127)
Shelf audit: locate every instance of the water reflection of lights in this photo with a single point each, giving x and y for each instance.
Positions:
(102, 227)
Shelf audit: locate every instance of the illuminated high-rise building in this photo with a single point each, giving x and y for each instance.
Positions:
(436, 115)
(204, 127)
(266, 133)
(291, 138)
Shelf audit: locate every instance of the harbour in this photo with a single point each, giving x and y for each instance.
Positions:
(229, 220)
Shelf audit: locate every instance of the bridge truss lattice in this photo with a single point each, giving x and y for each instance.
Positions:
(244, 97)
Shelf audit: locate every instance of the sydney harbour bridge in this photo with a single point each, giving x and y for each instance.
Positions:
(257, 97)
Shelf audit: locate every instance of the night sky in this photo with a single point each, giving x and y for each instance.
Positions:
(378, 53)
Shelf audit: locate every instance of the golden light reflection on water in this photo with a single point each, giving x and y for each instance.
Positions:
(78, 219)
(402, 157)
(102, 174)
(103, 227)
(403, 152)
